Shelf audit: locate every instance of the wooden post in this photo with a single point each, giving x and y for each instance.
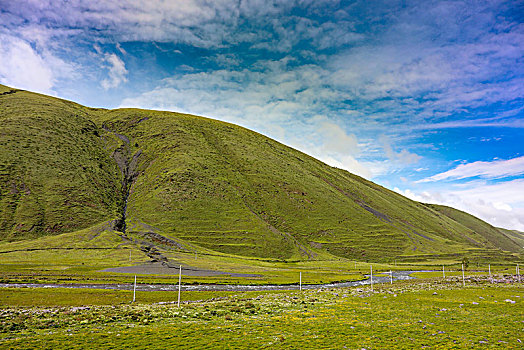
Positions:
(443, 272)
(371, 266)
(300, 280)
(134, 290)
(518, 273)
(390, 277)
(179, 284)
(463, 280)
(489, 270)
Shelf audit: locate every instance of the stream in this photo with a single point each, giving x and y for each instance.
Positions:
(397, 275)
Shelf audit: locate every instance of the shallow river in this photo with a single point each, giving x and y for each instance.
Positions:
(397, 275)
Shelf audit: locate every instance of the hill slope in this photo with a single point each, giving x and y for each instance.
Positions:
(55, 175)
(202, 185)
(514, 235)
(494, 235)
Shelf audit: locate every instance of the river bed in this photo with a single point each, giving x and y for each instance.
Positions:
(385, 278)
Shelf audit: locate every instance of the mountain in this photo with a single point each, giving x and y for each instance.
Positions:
(198, 184)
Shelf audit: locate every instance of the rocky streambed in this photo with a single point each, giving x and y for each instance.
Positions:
(382, 278)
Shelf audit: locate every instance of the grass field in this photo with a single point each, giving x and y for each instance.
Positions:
(423, 314)
(80, 257)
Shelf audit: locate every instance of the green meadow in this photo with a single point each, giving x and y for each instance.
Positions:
(422, 314)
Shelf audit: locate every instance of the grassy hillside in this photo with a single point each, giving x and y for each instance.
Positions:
(516, 236)
(494, 235)
(187, 183)
(55, 175)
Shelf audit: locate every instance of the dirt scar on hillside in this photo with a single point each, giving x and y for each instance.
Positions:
(158, 268)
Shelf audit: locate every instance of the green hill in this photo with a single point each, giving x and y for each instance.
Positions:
(55, 174)
(516, 236)
(194, 184)
(495, 236)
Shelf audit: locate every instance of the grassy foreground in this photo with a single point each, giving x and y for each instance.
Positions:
(420, 314)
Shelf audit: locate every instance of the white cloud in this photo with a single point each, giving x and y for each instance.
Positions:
(500, 204)
(335, 139)
(201, 23)
(489, 170)
(451, 63)
(116, 72)
(272, 91)
(403, 157)
(346, 162)
(330, 143)
(23, 67)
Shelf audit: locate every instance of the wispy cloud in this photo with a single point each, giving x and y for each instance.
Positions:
(488, 170)
(501, 204)
(403, 157)
(116, 72)
(200, 23)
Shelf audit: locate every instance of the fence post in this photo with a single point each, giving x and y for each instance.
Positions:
(371, 266)
(179, 284)
(463, 279)
(134, 290)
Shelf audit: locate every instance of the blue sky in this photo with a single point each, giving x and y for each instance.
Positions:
(423, 97)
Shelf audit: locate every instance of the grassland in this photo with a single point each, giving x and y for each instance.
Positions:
(82, 257)
(429, 313)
